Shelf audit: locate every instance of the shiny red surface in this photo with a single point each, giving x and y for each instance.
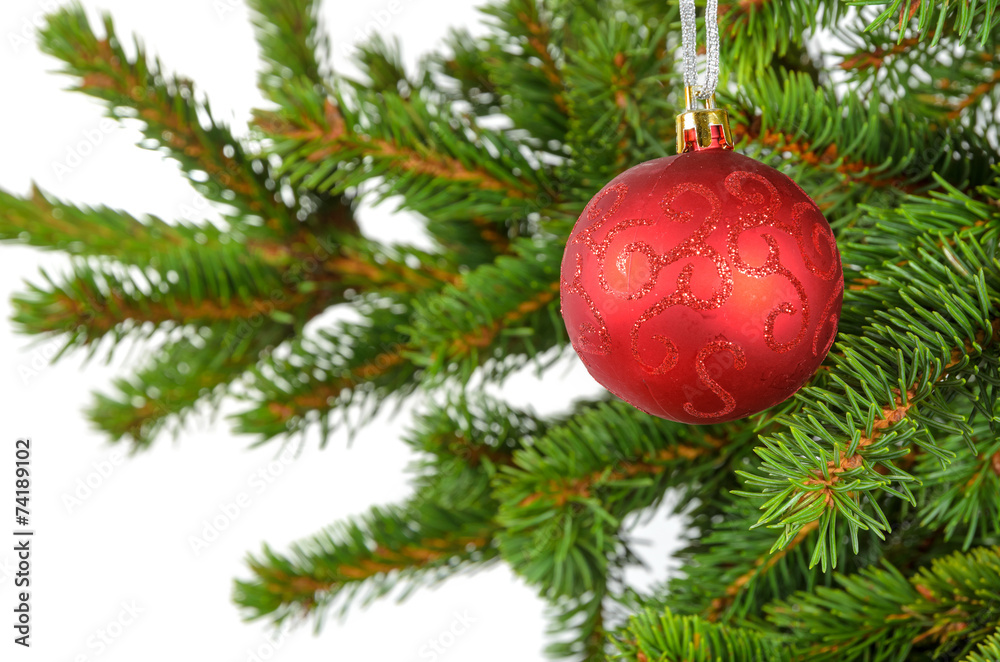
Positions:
(702, 287)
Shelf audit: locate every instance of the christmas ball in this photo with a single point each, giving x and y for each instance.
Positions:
(702, 287)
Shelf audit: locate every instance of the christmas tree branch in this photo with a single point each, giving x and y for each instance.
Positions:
(371, 556)
(215, 162)
(469, 62)
(434, 176)
(159, 392)
(978, 93)
(942, 75)
(730, 572)
(528, 29)
(455, 332)
(330, 371)
(333, 138)
(447, 526)
(873, 59)
(654, 635)
(504, 310)
(210, 286)
(909, 224)
(618, 109)
(577, 626)
(42, 221)
(395, 270)
(279, 410)
(864, 152)
(484, 435)
(987, 651)
(966, 492)
(558, 492)
(290, 41)
(477, 432)
(562, 504)
(190, 370)
(761, 567)
(949, 606)
(437, 164)
(816, 156)
(93, 301)
(756, 32)
(857, 463)
(213, 262)
(971, 19)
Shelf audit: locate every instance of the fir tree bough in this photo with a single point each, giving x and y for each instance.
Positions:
(857, 521)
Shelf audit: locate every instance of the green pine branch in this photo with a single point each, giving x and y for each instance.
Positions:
(622, 89)
(928, 18)
(944, 609)
(525, 28)
(654, 635)
(95, 299)
(433, 155)
(577, 626)
(729, 568)
(564, 498)
(730, 572)
(964, 495)
(940, 76)
(988, 651)
(420, 543)
(174, 120)
(42, 221)
(188, 375)
(356, 365)
(490, 321)
(754, 34)
(449, 525)
(856, 144)
(291, 45)
(498, 317)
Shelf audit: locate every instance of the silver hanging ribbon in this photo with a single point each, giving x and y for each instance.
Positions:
(689, 39)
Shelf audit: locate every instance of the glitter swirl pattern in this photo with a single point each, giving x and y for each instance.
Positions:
(728, 401)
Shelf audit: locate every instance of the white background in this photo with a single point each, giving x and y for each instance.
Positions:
(127, 542)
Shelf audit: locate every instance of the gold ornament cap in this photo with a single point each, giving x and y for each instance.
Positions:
(702, 128)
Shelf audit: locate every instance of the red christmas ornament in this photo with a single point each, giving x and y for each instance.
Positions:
(702, 287)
